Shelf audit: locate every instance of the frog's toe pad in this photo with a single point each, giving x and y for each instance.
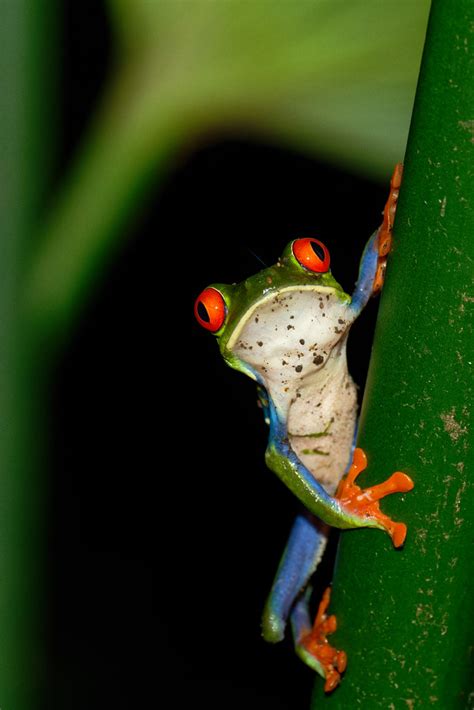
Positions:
(273, 626)
(364, 502)
(398, 534)
(317, 652)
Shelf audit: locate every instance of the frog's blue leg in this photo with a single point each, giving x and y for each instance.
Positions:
(367, 271)
(300, 616)
(302, 554)
(301, 626)
(290, 597)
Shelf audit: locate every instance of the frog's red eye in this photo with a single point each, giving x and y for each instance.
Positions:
(210, 309)
(312, 254)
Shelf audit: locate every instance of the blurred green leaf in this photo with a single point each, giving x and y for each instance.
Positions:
(327, 76)
(28, 80)
(330, 75)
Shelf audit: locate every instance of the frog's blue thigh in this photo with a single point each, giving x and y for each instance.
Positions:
(303, 551)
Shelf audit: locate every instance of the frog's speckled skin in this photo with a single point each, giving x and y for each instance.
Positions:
(305, 372)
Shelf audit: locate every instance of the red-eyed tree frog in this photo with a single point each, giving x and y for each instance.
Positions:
(286, 328)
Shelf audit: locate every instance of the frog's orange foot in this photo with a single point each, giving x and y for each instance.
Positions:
(316, 644)
(364, 502)
(384, 241)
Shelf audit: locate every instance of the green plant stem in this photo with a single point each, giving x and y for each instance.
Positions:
(405, 617)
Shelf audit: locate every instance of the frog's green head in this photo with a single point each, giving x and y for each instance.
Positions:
(265, 320)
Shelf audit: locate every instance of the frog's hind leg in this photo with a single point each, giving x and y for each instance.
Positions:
(289, 598)
(304, 549)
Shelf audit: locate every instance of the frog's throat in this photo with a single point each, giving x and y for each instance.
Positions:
(271, 295)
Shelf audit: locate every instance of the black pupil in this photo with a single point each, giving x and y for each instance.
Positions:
(202, 312)
(318, 250)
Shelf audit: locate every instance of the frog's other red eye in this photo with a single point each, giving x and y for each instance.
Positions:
(210, 309)
(312, 254)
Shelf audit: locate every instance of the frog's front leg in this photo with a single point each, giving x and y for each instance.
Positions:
(374, 258)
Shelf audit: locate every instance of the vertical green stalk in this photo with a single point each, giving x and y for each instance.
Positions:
(25, 155)
(405, 617)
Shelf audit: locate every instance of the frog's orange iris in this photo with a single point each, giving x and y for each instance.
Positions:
(210, 309)
(312, 254)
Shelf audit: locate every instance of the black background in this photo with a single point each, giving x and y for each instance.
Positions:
(166, 527)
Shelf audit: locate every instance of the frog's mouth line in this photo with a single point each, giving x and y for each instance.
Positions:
(270, 296)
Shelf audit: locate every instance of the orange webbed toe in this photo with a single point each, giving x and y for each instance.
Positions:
(364, 502)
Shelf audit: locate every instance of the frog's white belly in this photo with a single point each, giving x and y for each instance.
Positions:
(321, 422)
(296, 341)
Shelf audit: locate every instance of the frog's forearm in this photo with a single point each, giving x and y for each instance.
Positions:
(367, 271)
(282, 460)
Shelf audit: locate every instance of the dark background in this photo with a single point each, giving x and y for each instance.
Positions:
(166, 528)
